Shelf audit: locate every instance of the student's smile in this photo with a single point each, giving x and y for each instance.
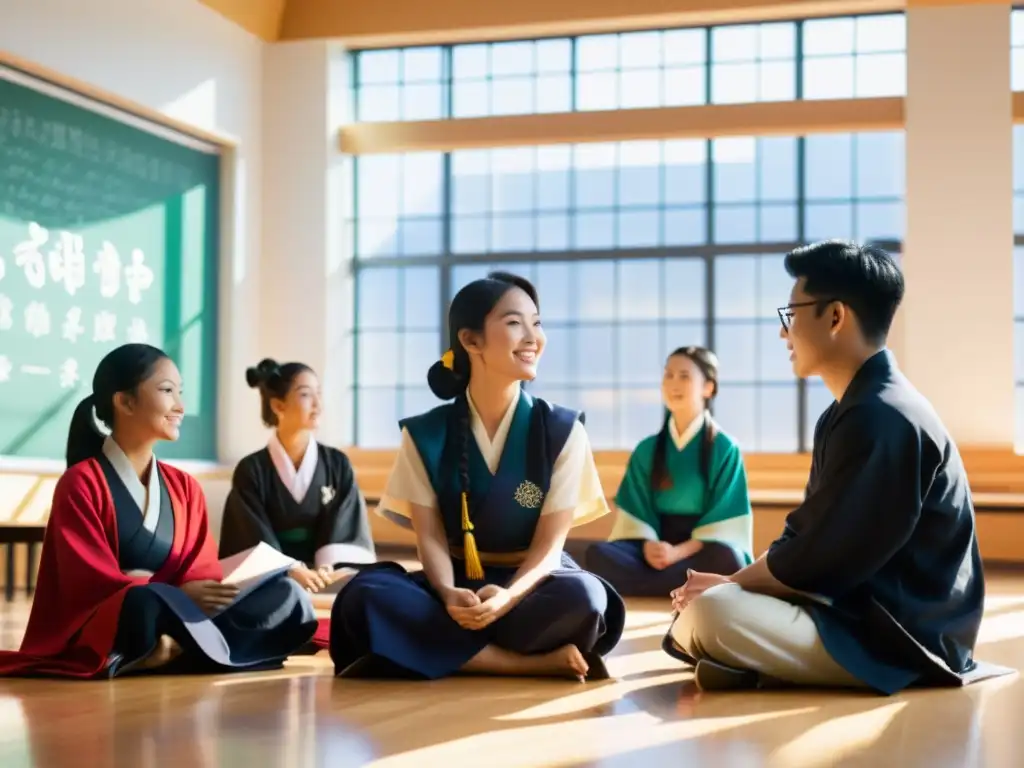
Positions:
(528, 356)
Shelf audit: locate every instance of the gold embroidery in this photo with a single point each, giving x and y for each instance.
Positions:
(529, 495)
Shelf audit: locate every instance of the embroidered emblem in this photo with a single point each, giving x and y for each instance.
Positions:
(326, 494)
(529, 495)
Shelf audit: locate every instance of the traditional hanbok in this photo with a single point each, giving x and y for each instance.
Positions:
(313, 513)
(705, 500)
(539, 462)
(114, 558)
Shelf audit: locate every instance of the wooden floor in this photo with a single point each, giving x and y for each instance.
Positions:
(649, 716)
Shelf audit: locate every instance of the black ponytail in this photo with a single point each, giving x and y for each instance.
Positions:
(449, 383)
(122, 370)
(660, 479)
(84, 440)
(707, 445)
(707, 362)
(274, 381)
(462, 411)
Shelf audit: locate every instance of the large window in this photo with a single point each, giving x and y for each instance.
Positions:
(1017, 50)
(636, 248)
(1018, 277)
(831, 58)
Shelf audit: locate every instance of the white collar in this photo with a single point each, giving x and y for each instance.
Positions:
(492, 448)
(297, 481)
(147, 498)
(681, 439)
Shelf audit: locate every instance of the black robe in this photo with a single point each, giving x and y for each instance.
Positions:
(885, 539)
(332, 517)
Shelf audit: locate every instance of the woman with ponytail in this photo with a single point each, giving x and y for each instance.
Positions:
(129, 579)
(683, 502)
(491, 482)
(297, 495)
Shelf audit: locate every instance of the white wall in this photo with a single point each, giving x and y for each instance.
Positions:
(186, 61)
(307, 313)
(957, 321)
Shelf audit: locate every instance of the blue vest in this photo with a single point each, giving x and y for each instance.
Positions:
(504, 507)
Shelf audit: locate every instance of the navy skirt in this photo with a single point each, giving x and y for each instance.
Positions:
(258, 631)
(389, 615)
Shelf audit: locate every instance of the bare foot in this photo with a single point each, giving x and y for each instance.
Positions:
(166, 651)
(566, 661)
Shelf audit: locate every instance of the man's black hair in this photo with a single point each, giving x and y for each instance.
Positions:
(864, 277)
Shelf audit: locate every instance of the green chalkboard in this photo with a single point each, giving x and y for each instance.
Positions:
(108, 234)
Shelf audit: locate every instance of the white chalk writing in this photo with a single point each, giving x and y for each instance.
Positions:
(72, 327)
(28, 256)
(104, 326)
(37, 319)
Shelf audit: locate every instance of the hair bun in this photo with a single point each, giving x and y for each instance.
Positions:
(262, 372)
(444, 382)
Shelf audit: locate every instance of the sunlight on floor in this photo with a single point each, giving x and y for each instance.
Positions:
(572, 742)
(827, 744)
(650, 714)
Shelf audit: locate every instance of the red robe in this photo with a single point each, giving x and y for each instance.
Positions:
(80, 587)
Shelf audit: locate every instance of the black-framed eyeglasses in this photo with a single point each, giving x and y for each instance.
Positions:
(786, 312)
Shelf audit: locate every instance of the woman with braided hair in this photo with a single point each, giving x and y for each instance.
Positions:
(683, 502)
(491, 482)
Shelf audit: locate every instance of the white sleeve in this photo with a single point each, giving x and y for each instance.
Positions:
(575, 483)
(407, 484)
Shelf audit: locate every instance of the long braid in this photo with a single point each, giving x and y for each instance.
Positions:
(660, 479)
(449, 377)
(474, 568)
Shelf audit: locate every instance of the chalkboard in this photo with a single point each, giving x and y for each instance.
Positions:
(108, 234)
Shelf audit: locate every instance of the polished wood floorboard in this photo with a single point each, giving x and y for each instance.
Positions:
(651, 715)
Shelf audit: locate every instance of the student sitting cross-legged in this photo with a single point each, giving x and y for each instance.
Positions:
(683, 502)
(129, 579)
(876, 580)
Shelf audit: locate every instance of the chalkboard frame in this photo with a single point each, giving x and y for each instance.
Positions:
(87, 98)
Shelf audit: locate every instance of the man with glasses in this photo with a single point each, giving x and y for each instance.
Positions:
(876, 581)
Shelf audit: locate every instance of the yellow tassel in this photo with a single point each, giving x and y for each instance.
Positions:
(448, 360)
(474, 568)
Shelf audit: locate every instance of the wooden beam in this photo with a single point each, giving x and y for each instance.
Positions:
(395, 23)
(258, 17)
(790, 118)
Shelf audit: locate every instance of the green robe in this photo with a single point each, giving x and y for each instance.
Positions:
(716, 511)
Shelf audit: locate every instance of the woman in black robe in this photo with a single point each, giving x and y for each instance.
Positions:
(297, 495)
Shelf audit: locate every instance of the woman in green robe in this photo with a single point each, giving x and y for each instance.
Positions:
(683, 502)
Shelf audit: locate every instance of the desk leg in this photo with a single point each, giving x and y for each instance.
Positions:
(30, 568)
(9, 587)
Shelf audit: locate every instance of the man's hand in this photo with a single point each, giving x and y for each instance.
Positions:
(696, 585)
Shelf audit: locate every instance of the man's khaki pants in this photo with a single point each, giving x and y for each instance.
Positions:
(745, 630)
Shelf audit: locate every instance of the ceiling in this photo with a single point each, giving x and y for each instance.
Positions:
(362, 24)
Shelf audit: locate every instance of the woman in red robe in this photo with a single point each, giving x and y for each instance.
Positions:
(129, 578)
